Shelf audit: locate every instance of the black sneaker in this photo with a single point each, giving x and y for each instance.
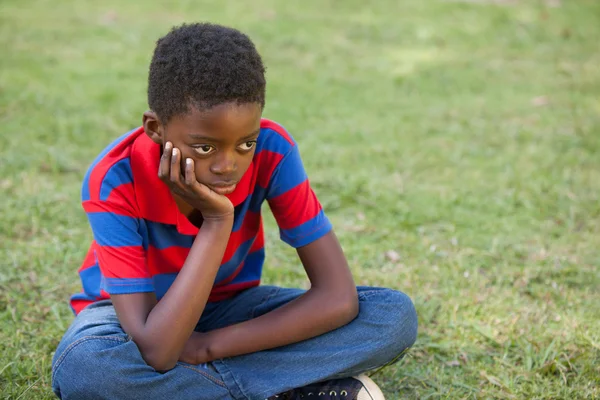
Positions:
(356, 388)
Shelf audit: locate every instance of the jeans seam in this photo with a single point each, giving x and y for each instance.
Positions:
(77, 343)
(204, 374)
(267, 297)
(233, 379)
(366, 294)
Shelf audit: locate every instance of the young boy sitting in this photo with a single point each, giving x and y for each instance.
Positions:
(171, 306)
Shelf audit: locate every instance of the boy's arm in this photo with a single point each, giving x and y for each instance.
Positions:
(161, 330)
(331, 302)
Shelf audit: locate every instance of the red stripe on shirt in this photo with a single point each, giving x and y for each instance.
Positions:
(171, 259)
(166, 261)
(230, 277)
(122, 195)
(268, 161)
(90, 206)
(235, 287)
(122, 262)
(259, 242)
(118, 153)
(79, 305)
(287, 210)
(246, 232)
(90, 258)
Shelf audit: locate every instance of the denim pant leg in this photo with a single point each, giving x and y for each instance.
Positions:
(96, 359)
(385, 327)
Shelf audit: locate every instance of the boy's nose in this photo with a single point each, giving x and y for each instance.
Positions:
(224, 166)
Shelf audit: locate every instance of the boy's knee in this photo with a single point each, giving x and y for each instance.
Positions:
(84, 370)
(401, 322)
(408, 323)
(111, 367)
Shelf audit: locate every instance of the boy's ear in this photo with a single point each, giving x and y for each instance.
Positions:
(153, 127)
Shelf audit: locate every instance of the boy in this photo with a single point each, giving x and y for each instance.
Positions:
(171, 305)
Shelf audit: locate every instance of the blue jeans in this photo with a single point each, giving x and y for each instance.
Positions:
(96, 359)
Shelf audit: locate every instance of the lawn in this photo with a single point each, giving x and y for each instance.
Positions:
(455, 146)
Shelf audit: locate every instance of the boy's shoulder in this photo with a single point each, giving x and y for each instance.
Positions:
(274, 137)
(111, 168)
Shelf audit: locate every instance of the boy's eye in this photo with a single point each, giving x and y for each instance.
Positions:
(247, 145)
(204, 149)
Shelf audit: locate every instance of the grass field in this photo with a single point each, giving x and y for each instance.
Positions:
(454, 144)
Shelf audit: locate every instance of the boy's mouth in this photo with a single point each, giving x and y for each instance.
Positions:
(223, 187)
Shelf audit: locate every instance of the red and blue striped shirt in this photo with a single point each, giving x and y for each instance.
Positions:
(141, 239)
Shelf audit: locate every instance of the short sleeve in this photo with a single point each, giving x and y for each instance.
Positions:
(119, 240)
(297, 210)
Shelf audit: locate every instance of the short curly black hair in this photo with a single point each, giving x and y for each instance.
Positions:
(203, 65)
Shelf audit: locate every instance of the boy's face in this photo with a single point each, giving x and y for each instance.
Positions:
(221, 141)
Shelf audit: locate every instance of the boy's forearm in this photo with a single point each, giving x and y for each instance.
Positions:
(173, 319)
(313, 314)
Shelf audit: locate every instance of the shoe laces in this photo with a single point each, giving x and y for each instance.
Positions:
(336, 389)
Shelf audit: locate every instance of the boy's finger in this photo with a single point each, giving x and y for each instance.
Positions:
(202, 191)
(164, 167)
(190, 176)
(190, 180)
(175, 167)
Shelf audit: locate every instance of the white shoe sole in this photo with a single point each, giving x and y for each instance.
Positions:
(371, 391)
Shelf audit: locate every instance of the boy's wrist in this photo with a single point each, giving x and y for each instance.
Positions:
(205, 348)
(226, 218)
(218, 220)
(217, 225)
(197, 350)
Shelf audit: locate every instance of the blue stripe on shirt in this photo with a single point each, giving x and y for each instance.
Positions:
(127, 285)
(115, 230)
(162, 236)
(252, 203)
(252, 267)
(163, 282)
(308, 232)
(228, 268)
(270, 140)
(85, 187)
(90, 279)
(250, 272)
(118, 174)
(288, 174)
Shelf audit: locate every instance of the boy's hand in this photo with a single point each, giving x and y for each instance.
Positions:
(212, 205)
(196, 350)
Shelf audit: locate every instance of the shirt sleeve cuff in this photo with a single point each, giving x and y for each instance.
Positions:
(127, 285)
(307, 236)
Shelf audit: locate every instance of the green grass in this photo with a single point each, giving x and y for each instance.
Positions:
(462, 135)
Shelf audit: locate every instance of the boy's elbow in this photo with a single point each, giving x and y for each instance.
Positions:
(352, 307)
(347, 308)
(158, 362)
(155, 357)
